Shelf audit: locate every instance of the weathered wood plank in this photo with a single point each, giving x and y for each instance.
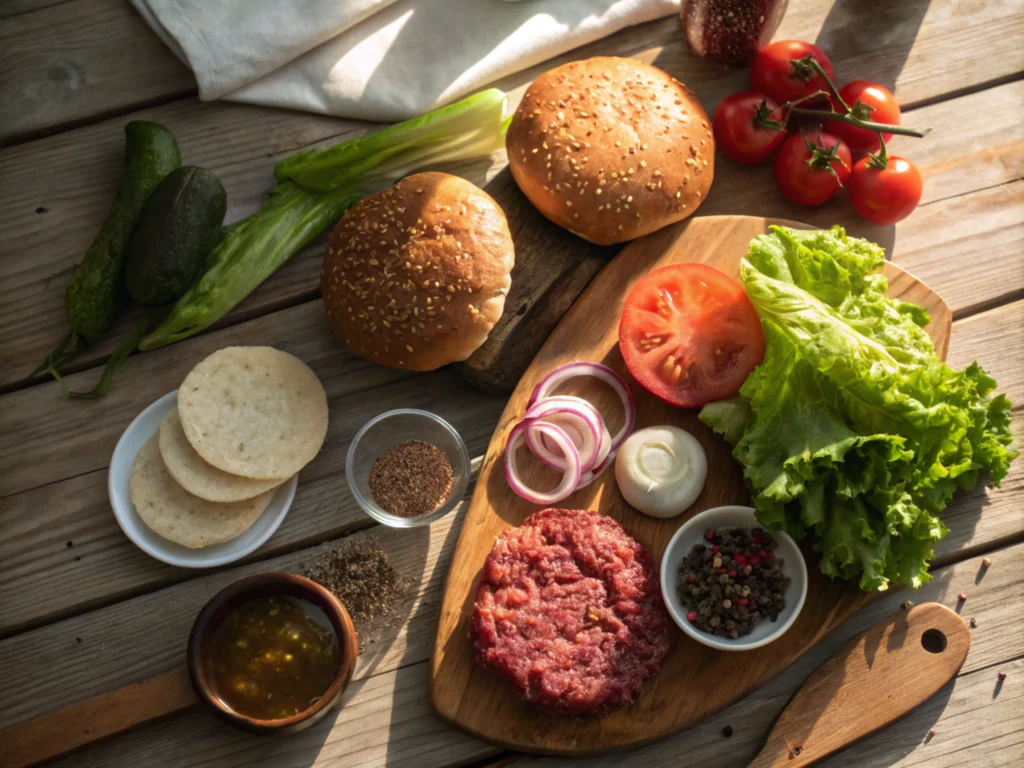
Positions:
(62, 65)
(977, 144)
(996, 340)
(990, 601)
(385, 720)
(9, 8)
(969, 246)
(976, 722)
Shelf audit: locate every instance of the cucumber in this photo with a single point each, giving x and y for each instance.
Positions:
(180, 223)
(95, 296)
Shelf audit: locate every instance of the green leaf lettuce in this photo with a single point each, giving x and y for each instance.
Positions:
(852, 429)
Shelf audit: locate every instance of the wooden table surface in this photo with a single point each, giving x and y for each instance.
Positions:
(82, 611)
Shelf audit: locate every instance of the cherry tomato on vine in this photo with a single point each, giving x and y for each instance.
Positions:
(869, 101)
(748, 127)
(782, 71)
(810, 168)
(884, 195)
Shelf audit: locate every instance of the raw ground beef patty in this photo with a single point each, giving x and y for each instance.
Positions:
(569, 611)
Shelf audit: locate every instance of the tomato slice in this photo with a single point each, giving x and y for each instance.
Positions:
(690, 335)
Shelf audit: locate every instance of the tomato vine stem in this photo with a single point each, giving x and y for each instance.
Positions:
(846, 116)
(902, 130)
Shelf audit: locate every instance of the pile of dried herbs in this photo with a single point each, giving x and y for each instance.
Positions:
(361, 575)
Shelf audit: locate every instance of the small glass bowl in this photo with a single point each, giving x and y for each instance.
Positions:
(388, 430)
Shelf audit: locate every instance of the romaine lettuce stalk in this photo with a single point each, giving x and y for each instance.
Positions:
(317, 187)
(251, 250)
(852, 429)
(473, 127)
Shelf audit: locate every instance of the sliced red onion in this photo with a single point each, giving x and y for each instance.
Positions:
(584, 427)
(604, 458)
(570, 478)
(598, 371)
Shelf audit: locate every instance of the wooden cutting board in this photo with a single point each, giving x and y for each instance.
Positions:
(695, 681)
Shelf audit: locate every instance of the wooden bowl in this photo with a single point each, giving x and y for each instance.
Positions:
(260, 585)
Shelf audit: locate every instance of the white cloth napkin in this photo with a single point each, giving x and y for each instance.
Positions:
(375, 59)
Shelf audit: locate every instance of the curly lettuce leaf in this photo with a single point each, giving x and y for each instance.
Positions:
(852, 429)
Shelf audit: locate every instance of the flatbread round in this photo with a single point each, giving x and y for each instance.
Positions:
(178, 516)
(195, 475)
(254, 411)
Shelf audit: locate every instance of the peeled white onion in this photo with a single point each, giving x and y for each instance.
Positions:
(661, 470)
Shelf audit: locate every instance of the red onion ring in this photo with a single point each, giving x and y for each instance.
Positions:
(580, 410)
(598, 371)
(571, 477)
(604, 458)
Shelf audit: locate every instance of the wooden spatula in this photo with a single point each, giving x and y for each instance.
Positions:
(876, 679)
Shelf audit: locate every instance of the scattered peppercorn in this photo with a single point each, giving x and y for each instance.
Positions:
(727, 731)
(70, 544)
(411, 478)
(41, 209)
(974, 622)
(961, 597)
(986, 561)
(797, 750)
(735, 584)
(361, 575)
(908, 604)
(1002, 675)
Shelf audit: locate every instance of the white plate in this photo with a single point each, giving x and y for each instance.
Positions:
(692, 532)
(139, 431)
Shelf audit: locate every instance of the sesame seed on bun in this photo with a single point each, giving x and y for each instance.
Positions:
(611, 149)
(416, 276)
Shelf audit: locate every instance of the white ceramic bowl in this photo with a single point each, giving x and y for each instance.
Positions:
(692, 532)
(138, 432)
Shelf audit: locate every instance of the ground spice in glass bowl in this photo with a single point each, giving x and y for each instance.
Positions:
(407, 468)
(411, 478)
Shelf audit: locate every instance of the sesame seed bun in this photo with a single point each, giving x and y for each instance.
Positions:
(416, 276)
(611, 149)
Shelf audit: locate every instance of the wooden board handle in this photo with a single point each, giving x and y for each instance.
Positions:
(876, 679)
(57, 733)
